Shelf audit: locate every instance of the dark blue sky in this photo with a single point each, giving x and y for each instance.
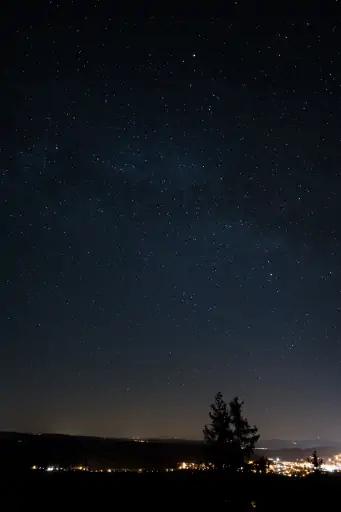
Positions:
(170, 220)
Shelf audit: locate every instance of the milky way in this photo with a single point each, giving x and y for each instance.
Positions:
(170, 221)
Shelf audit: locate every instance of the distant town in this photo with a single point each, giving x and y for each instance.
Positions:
(53, 453)
(297, 468)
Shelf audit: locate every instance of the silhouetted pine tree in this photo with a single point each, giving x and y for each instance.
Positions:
(218, 434)
(315, 461)
(244, 436)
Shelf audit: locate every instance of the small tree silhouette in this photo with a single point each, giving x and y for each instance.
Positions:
(217, 434)
(244, 436)
(315, 461)
(261, 465)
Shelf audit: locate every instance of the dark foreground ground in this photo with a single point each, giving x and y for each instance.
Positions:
(166, 491)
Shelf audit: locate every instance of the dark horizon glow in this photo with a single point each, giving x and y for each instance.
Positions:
(171, 196)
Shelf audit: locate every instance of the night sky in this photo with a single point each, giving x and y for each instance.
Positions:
(170, 219)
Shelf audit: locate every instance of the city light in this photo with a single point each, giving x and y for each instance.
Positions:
(301, 467)
(297, 468)
(193, 466)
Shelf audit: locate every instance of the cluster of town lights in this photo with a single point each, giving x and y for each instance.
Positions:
(277, 466)
(88, 469)
(302, 467)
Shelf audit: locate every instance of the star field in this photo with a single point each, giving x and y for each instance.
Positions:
(170, 220)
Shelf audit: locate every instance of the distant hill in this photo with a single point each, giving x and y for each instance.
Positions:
(24, 450)
(280, 444)
(173, 440)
